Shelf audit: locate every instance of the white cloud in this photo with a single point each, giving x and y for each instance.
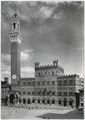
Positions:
(59, 16)
(4, 67)
(28, 50)
(46, 11)
(27, 71)
(6, 57)
(32, 3)
(5, 71)
(24, 56)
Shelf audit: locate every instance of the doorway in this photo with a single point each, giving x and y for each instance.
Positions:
(12, 98)
(65, 102)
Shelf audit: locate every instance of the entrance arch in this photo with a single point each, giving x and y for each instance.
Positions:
(48, 101)
(43, 101)
(12, 98)
(53, 101)
(20, 100)
(59, 102)
(71, 102)
(24, 101)
(28, 101)
(33, 100)
(38, 100)
(65, 102)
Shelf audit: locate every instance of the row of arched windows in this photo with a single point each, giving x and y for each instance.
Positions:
(45, 83)
(65, 93)
(66, 82)
(28, 101)
(64, 102)
(44, 92)
(48, 101)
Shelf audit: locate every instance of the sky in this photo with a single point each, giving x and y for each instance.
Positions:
(50, 30)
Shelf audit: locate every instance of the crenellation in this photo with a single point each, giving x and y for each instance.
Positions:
(68, 76)
(49, 67)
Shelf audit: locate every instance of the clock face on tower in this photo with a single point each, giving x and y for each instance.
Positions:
(13, 76)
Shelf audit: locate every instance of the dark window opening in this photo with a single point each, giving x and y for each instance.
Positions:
(59, 102)
(48, 101)
(71, 102)
(82, 104)
(28, 101)
(19, 100)
(53, 101)
(24, 101)
(14, 25)
(38, 101)
(43, 101)
(65, 102)
(33, 101)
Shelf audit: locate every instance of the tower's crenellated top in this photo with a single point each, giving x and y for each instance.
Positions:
(44, 67)
(15, 34)
(15, 22)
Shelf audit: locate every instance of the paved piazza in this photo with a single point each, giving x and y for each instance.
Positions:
(21, 113)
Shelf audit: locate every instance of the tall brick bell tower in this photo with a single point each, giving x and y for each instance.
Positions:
(15, 40)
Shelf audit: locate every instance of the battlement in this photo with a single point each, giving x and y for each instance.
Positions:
(68, 76)
(54, 65)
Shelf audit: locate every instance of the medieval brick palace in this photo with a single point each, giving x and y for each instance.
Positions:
(50, 85)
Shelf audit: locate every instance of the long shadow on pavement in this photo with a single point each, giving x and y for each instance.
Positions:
(71, 115)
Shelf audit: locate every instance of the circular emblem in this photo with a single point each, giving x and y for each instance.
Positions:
(13, 76)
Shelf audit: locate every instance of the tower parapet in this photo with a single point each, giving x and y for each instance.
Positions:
(15, 22)
(15, 34)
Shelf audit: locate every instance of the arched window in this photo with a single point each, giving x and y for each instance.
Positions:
(59, 102)
(43, 101)
(53, 101)
(24, 101)
(38, 100)
(48, 101)
(28, 101)
(33, 101)
(19, 100)
(65, 102)
(70, 101)
(14, 24)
